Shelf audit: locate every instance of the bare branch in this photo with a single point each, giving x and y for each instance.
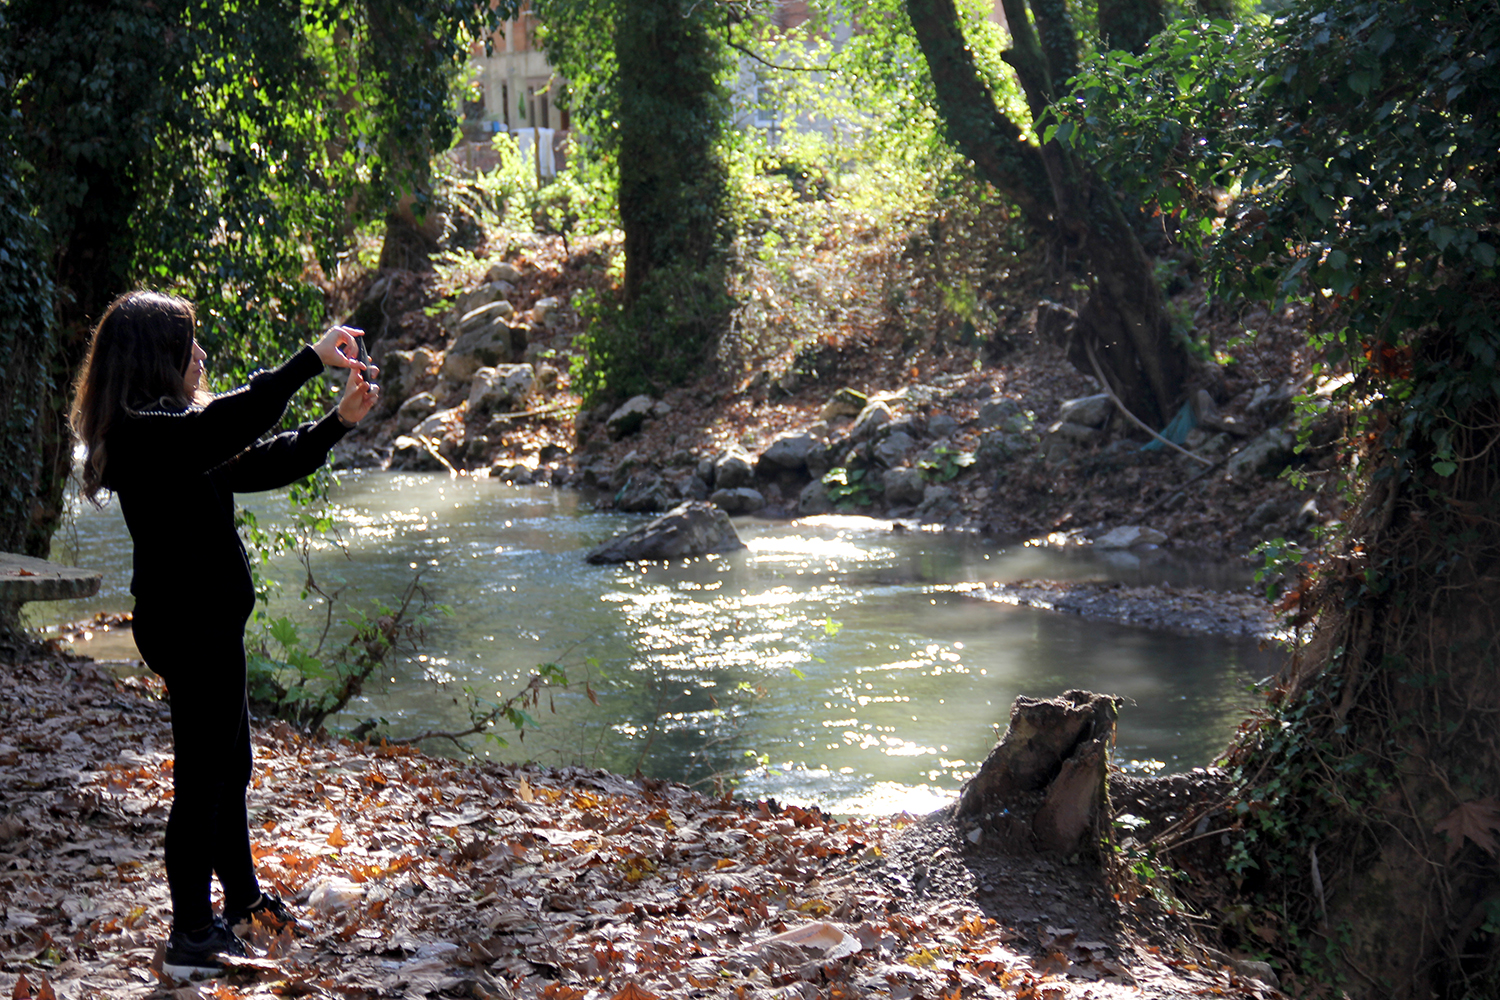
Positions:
(824, 68)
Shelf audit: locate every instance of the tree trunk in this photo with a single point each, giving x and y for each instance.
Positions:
(1124, 324)
(1379, 781)
(1043, 787)
(672, 185)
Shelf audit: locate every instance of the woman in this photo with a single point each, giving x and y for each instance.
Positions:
(175, 457)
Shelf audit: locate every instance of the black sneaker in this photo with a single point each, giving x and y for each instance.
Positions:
(270, 910)
(196, 954)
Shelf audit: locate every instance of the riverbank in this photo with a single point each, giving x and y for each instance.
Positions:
(998, 434)
(424, 877)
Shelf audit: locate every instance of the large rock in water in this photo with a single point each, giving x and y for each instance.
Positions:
(687, 530)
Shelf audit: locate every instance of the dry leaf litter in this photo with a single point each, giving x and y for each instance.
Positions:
(422, 877)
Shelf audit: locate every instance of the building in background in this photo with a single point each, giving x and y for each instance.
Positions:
(514, 90)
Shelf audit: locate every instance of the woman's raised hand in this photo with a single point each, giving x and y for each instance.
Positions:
(360, 394)
(339, 347)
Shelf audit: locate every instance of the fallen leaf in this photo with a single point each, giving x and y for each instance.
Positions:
(634, 992)
(835, 942)
(337, 838)
(1474, 820)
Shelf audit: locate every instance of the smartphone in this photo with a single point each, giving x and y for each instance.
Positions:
(361, 354)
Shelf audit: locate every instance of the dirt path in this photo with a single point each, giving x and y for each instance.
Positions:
(421, 877)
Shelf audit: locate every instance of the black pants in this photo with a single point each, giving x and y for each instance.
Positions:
(203, 663)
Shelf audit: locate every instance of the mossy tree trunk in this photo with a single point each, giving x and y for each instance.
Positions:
(1123, 326)
(673, 182)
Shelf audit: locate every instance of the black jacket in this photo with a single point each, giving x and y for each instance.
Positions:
(176, 473)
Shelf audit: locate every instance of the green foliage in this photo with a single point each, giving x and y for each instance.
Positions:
(27, 348)
(946, 464)
(222, 151)
(1359, 142)
(850, 487)
(1354, 149)
(305, 684)
(1279, 560)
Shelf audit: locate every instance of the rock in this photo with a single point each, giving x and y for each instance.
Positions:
(546, 379)
(629, 417)
(502, 389)
(913, 425)
(941, 425)
(414, 411)
(996, 412)
(660, 408)
(1266, 513)
(410, 455)
(1015, 436)
(643, 492)
(1128, 537)
(870, 420)
(789, 451)
(825, 457)
(1089, 411)
(496, 343)
(814, 500)
(515, 474)
(484, 315)
(551, 453)
(743, 500)
(440, 424)
(545, 310)
(598, 476)
(732, 470)
(502, 271)
(423, 361)
(1271, 401)
(395, 369)
(477, 449)
(1074, 434)
(484, 295)
(938, 505)
(894, 448)
(845, 403)
(691, 487)
(1265, 455)
(904, 486)
(688, 530)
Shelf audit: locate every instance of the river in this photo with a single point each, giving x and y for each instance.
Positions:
(832, 662)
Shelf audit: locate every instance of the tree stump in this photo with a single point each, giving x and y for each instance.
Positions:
(1043, 787)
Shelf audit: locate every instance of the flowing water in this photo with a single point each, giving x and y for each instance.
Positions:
(831, 662)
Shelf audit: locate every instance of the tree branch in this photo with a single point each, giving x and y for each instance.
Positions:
(826, 67)
(1104, 382)
(1002, 157)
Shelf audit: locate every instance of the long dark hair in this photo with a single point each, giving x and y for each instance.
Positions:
(137, 360)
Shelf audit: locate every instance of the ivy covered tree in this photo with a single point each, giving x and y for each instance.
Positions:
(1361, 140)
(648, 83)
(1122, 331)
(221, 150)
